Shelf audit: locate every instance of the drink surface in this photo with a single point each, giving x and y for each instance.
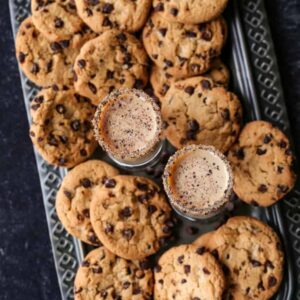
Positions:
(128, 124)
(198, 180)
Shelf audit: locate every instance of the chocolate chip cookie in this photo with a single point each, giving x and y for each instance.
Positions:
(102, 15)
(103, 275)
(183, 50)
(113, 60)
(74, 197)
(190, 11)
(131, 216)
(46, 63)
(195, 111)
(183, 273)
(61, 127)
(56, 19)
(262, 164)
(161, 80)
(251, 254)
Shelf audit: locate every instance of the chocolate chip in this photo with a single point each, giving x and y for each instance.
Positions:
(189, 90)
(79, 290)
(151, 209)
(180, 259)
(136, 291)
(196, 298)
(187, 269)
(226, 114)
(283, 188)
(21, 57)
(288, 152)
(97, 270)
(206, 84)
(174, 11)
(81, 63)
(64, 44)
(142, 186)
(168, 63)
(83, 152)
(262, 188)
(103, 293)
(206, 271)
(56, 47)
(92, 87)
(201, 250)
(86, 212)
(126, 285)
(68, 194)
(60, 108)
(121, 37)
(189, 33)
(161, 281)
(159, 7)
(109, 183)
(35, 68)
(215, 253)
(143, 198)
(86, 183)
(193, 125)
(279, 169)
(93, 239)
(52, 140)
(85, 263)
(109, 228)
(267, 138)
(269, 264)
(106, 22)
(207, 35)
(107, 8)
(195, 68)
(58, 22)
(126, 212)
(239, 153)
(127, 234)
(163, 31)
(75, 125)
(183, 280)
(260, 151)
(157, 268)
(272, 281)
(282, 144)
(49, 66)
(255, 263)
(164, 89)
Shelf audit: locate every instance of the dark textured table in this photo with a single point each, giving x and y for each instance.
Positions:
(26, 265)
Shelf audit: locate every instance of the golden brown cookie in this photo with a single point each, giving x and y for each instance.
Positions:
(195, 111)
(262, 164)
(61, 127)
(183, 50)
(103, 275)
(131, 216)
(74, 198)
(113, 60)
(102, 15)
(46, 63)
(183, 273)
(190, 11)
(161, 80)
(250, 252)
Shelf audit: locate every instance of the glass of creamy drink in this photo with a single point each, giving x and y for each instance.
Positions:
(128, 127)
(198, 181)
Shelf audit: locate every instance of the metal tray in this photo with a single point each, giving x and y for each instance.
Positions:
(255, 78)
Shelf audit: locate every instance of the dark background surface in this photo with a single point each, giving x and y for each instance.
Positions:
(26, 264)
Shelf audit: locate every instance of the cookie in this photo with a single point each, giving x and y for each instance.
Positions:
(74, 197)
(46, 63)
(262, 164)
(183, 273)
(61, 127)
(190, 11)
(251, 254)
(113, 60)
(161, 80)
(131, 216)
(183, 50)
(197, 112)
(103, 275)
(56, 19)
(102, 15)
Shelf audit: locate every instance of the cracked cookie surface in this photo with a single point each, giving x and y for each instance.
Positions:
(102, 15)
(190, 11)
(61, 127)
(262, 164)
(74, 198)
(183, 50)
(113, 60)
(103, 275)
(183, 273)
(195, 111)
(56, 19)
(46, 63)
(251, 255)
(161, 80)
(131, 216)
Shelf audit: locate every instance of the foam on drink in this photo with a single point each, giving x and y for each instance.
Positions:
(198, 181)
